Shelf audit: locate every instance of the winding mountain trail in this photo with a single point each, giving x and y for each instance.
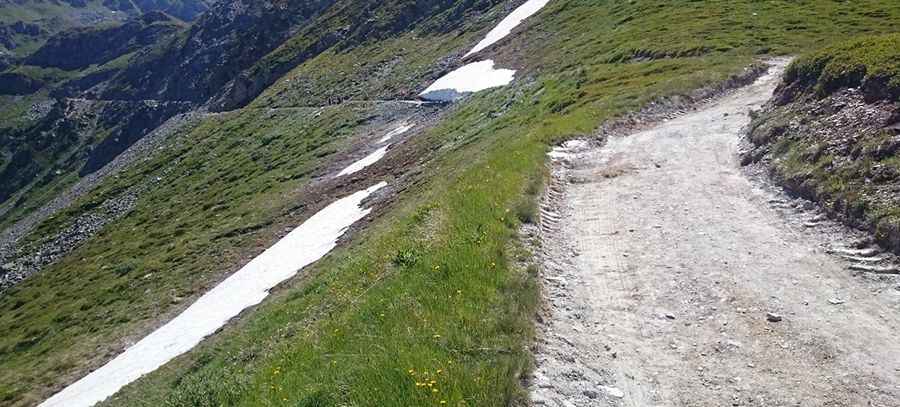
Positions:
(674, 278)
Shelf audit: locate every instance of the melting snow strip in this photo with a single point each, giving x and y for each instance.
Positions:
(469, 78)
(509, 23)
(405, 127)
(247, 287)
(364, 162)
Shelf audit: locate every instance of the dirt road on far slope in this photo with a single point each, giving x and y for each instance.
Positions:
(675, 279)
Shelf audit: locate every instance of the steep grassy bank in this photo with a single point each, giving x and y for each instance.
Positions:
(211, 192)
(432, 286)
(833, 133)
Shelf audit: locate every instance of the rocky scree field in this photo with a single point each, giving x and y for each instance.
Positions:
(434, 287)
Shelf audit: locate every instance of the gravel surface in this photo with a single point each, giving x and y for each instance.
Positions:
(674, 278)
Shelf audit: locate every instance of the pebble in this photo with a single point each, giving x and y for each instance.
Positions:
(773, 317)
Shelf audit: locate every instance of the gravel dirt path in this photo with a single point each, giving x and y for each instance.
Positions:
(675, 278)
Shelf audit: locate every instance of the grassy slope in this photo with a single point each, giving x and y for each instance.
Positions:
(864, 61)
(391, 67)
(432, 285)
(252, 189)
(351, 334)
(198, 212)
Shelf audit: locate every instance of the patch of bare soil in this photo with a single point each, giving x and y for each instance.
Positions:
(686, 281)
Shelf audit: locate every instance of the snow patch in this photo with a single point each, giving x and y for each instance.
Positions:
(405, 127)
(509, 23)
(247, 287)
(364, 162)
(469, 78)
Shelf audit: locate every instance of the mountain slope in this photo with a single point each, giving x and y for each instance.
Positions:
(229, 55)
(26, 24)
(70, 67)
(433, 285)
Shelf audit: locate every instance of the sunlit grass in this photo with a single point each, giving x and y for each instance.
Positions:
(430, 303)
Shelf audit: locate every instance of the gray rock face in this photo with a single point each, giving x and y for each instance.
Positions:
(224, 41)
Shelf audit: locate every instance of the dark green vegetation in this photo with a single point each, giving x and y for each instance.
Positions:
(74, 139)
(432, 289)
(194, 217)
(833, 135)
(871, 63)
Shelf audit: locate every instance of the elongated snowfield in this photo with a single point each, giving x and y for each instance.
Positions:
(403, 128)
(247, 287)
(364, 162)
(508, 24)
(469, 78)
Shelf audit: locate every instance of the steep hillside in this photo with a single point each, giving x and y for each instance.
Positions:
(26, 24)
(254, 45)
(225, 58)
(80, 48)
(70, 67)
(64, 139)
(833, 133)
(429, 299)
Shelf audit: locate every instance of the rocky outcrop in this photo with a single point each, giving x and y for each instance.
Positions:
(239, 48)
(42, 19)
(230, 37)
(342, 27)
(185, 10)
